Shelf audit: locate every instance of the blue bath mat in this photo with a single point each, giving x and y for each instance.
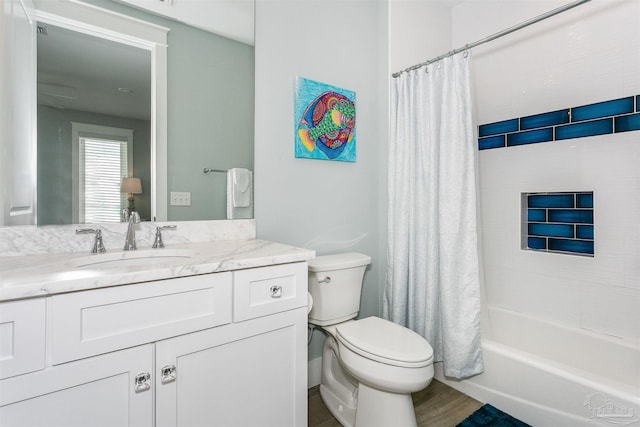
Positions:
(489, 416)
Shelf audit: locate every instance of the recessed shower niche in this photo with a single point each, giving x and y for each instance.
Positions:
(558, 222)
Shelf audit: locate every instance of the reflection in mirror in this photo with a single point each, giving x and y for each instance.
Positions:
(94, 112)
(210, 92)
(202, 113)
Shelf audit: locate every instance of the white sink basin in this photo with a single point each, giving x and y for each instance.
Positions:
(110, 261)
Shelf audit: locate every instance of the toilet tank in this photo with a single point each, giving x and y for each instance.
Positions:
(335, 283)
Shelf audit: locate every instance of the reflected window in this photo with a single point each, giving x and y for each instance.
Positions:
(104, 157)
(103, 163)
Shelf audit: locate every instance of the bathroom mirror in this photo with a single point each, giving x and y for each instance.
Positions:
(94, 126)
(208, 122)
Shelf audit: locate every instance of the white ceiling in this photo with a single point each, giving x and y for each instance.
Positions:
(81, 72)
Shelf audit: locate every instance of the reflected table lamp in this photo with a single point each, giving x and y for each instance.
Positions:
(131, 186)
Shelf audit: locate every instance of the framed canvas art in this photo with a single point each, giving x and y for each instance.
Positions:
(325, 121)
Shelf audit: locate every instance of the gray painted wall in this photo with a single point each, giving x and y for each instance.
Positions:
(210, 118)
(54, 161)
(327, 206)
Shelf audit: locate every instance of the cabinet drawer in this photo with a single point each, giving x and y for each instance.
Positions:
(22, 337)
(267, 290)
(93, 322)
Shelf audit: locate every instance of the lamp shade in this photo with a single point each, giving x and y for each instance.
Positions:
(131, 185)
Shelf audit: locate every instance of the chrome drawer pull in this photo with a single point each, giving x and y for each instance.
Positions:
(276, 291)
(142, 382)
(167, 374)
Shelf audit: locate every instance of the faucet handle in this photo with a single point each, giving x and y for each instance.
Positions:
(158, 241)
(98, 245)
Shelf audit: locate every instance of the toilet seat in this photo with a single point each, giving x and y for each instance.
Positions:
(386, 342)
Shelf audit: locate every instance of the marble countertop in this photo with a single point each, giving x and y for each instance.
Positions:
(47, 274)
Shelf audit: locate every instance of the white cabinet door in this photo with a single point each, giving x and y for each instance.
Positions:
(251, 373)
(22, 337)
(98, 391)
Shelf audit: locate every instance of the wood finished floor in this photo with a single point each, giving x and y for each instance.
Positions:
(438, 405)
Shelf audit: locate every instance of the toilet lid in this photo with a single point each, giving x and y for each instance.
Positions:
(338, 261)
(386, 342)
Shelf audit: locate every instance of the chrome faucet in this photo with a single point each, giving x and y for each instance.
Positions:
(133, 218)
(98, 246)
(158, 242)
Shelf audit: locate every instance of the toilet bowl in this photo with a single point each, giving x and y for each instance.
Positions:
(385, 355)
(370, 366)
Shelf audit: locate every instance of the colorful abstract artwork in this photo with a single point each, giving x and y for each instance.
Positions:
(325, 121)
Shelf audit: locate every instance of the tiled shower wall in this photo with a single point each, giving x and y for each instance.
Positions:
(584, 56)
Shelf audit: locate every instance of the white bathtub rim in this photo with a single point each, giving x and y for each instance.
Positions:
(624, 343)
(543, 409)
(581, 349)
(603, 384)
(513, 405)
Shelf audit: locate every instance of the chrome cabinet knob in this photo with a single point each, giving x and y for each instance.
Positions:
(167, 374)
(275, 291)
(142, 382)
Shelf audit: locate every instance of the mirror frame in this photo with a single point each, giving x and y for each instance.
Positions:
(102, 23)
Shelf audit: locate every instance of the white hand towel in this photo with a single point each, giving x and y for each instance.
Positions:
(241, 182)
(239, 193)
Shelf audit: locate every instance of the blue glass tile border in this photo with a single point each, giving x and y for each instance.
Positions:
(504, 126)
(530, 137)
(602, 109)
(581, 130)
(627, 123)
(600, 118)
(545, 119)
(496, 141)
(558, 222)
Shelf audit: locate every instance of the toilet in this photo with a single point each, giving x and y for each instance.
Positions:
(370, 366)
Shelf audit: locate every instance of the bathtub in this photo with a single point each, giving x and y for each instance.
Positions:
(549, 375)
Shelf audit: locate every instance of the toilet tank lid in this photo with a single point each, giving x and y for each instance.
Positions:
(338, 261)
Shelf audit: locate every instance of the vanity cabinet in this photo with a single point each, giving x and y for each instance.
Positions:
(221, 349)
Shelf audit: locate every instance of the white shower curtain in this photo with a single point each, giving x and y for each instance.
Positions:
(433, 281)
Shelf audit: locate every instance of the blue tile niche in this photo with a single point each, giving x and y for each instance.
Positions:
(558, 222)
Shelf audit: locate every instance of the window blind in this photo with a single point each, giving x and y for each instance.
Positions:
(103, 163)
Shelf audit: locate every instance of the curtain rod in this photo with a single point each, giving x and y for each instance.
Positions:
(496, 35)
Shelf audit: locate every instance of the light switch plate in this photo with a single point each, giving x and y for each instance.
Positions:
(180, 198)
